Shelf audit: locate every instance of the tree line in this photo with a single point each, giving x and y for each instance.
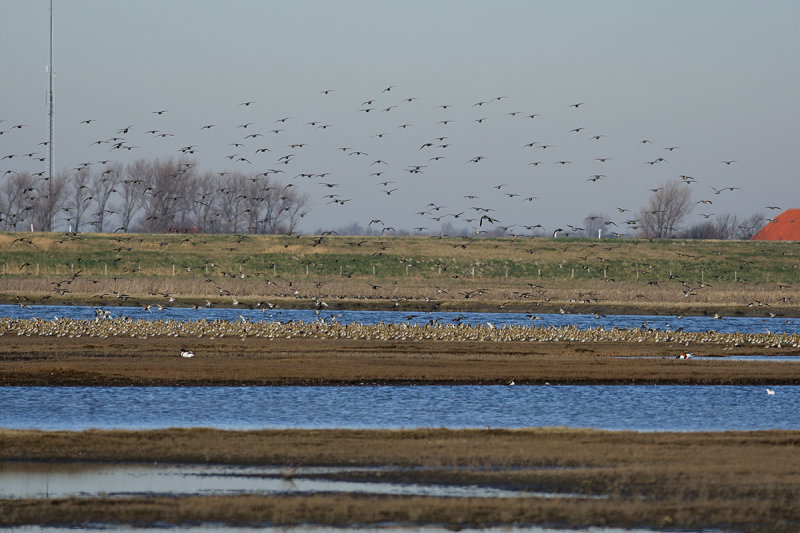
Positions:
(152, 196)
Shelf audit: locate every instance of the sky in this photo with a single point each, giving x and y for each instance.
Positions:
(719, 80)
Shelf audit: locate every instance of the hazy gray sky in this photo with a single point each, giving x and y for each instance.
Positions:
(718, 79)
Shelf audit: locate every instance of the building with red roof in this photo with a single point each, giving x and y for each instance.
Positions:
(784, 227)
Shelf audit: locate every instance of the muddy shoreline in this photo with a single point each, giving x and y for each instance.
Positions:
(120, 361)
(746, 481)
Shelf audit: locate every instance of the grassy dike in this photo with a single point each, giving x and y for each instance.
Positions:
(421, 273)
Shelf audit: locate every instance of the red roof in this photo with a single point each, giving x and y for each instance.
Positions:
(784, 227)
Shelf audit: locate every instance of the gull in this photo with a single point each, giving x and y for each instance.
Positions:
(729, 162)
(187, 353)
(576, 106)
(770, 392)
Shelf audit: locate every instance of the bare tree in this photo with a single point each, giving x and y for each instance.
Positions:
(165, 202)
(49, 202)
(78, 196)
(668, 206)
(17, 200)
(595, 224)
(284, 208)
(750, 226)
(203, 203)
(103, 186)
(132, 188)
(229, 199)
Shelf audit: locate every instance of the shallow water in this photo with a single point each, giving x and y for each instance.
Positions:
(44, 480)
(610, 407)
(583, 321)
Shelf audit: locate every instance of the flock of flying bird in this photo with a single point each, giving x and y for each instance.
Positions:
(522, 169)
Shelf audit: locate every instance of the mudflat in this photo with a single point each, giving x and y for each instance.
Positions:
(156, 361)
(745, 481)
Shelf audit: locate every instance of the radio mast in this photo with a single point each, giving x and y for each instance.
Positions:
(50, 98)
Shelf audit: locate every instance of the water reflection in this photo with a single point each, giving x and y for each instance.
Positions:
(39, 480)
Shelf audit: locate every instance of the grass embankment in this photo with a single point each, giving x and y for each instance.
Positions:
(522, 274)
(745, 481)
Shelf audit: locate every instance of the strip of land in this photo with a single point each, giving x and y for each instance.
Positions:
(531, 275)
(121, 361)
(746, 481)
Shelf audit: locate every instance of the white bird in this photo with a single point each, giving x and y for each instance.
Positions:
(511, 383)
(186, 353)
(770, 391)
